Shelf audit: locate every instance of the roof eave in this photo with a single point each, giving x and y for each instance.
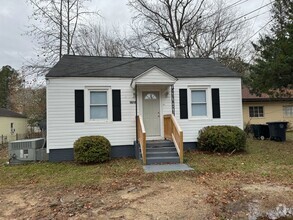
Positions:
(266, 99)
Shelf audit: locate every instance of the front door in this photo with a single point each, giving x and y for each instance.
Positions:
(151, 113)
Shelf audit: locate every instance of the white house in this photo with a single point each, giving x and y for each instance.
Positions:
(128, 100)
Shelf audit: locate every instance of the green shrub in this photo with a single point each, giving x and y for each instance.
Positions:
(222, 139)
(92, 149)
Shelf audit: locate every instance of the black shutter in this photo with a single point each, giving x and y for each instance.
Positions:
(183, 103)
(79, 105)
(216, 103)
(116, 102)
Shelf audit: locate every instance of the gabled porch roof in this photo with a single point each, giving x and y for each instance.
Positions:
(153, 76)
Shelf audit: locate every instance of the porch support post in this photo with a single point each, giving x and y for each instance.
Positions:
(172, 100)
(136, 113)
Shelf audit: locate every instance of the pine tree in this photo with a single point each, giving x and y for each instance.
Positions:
(272, 71)
(6, 74)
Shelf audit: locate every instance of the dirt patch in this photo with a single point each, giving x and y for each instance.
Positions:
(182, 199)
(212, 197)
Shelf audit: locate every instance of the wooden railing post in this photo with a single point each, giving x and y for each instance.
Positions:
(181, 147)
(167, 127)
(144, 148)
(141, 138)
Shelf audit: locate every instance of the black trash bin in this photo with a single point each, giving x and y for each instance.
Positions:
(278, 130)
(260, 131)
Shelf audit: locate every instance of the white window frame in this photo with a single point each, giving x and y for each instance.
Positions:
(87, 103)
(256, 106)
(285, 112)
(207, 89)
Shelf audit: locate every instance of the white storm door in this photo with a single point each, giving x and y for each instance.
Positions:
(151, 113)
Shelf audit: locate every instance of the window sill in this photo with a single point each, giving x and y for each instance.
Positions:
(199, 118)
(98, 122)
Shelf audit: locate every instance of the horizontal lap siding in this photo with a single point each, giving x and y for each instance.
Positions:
(273, 111)
(230, 105)
(62, 130)
(154, 75)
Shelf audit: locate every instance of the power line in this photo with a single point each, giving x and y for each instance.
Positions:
(258, 31)
(239, 2)
(232, 21)
(235, 23)
(257, 13)
(243, 16)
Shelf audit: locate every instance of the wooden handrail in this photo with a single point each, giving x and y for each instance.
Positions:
(173, 132)
(141, 134)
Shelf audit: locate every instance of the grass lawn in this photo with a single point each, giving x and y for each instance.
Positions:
(263, 159)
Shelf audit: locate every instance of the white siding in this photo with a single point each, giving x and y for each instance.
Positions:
(230, 104)
(155, 75)
(62, 129)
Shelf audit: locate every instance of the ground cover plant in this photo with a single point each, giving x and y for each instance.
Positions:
(222, 185)
(262, 158)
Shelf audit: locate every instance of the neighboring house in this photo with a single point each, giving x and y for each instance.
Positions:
(103, 95)
(11, 124)
(263, 109)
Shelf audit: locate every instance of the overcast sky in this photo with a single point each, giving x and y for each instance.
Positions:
(16, 48)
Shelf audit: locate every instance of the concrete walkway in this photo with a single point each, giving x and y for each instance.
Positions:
(166, 168)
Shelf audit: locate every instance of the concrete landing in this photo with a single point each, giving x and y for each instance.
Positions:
(166, 168)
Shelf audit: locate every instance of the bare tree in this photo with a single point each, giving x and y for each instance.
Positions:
(55, 23)
(96, 40)
(220, 33)
(166, 23)
(203, 28)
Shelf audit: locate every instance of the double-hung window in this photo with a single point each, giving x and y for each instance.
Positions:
(198, 103)
(98, 105)
(288, 111)
(256, 111)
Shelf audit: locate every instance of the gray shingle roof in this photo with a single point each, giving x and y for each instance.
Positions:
(90, 66)
(7, 113)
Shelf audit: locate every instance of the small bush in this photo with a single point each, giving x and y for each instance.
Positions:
(222, 139)
(92, 149)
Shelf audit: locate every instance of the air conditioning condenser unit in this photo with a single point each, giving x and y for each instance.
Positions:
(27, 150)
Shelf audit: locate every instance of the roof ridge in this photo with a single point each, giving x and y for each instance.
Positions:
(129, 57)
(130, 67)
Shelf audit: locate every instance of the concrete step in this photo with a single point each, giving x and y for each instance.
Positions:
(151, 144)
(162, 160)
(162, 154)
(161, 149)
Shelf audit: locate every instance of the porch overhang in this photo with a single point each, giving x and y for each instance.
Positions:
(153, 76)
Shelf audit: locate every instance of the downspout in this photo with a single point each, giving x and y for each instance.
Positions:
(136, 113)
